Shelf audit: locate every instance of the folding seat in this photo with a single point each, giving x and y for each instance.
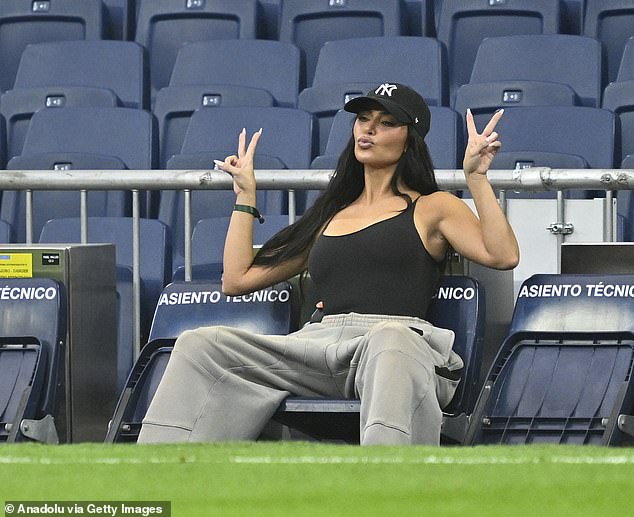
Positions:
(618, 97)
(82, 138)
(25, 21)
(17, 107)
(463, 26)
(154, 268)
(610, 21)
(563, 373)
(210, 203)
(163, 26)
(208, 242)
(215, 132)
(195, 83)
(459, 306)
(577, 130)
(547, 58)
(33, 325)
(119, 66)
(311, 23)
(344, 71)
(188, 305)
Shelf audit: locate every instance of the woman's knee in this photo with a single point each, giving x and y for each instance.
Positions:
(391, 335)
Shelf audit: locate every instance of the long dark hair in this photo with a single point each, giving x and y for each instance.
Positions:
(415, 169)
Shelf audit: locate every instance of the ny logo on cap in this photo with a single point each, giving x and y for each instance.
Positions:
(385, 89)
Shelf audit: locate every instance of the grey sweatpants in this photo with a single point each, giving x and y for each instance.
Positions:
(224, 383)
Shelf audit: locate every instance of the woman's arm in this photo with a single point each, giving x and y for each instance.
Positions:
(240, 275)
(489, 240)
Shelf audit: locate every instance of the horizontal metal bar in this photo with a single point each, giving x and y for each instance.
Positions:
(530, 179)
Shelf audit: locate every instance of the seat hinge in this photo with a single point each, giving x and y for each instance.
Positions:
(42, 430)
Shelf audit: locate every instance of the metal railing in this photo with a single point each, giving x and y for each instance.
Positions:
(528, 180)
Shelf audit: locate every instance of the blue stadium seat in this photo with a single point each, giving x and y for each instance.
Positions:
(311, 23)
(188, 305)
(463, 26)
(343, 72)
(125, 134)
(33, 325)
(211, 203)
(484, 99)
(25, 21)
(174, 106)
(17, 107)
(268, 65)
(577, 130)
(563, 374)
(626, 66)
(618, 97)
(459, 306)
(6, 232)
(57, 204)
(551, 58)
(208, 242)
(155, 268)
(119, 66)
(163, 26)
(610, 21)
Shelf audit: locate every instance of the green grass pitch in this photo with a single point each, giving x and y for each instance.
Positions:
(305, 479)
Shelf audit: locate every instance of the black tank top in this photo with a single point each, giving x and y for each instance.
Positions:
(381, 269)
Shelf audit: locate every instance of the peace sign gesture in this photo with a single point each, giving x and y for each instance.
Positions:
(240, 167)
(481, 147)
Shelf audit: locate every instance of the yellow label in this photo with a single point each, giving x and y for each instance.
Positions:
(16, 265)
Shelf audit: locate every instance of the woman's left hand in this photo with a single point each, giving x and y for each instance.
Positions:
(481, 147)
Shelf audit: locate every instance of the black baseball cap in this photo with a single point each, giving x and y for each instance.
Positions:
(400, 101)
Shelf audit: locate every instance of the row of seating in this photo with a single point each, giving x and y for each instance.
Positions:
(562, 375)
(162, 26)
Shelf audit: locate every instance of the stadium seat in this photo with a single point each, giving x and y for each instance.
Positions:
(119, 66)
(484, 99)
(68, 137)
(17, 107)
(57, 204)
(174, 106)
(163, 26)
(311, 23)
(32, 339)
(25, 21)
(213, 134)
(155, 266)
(577, 130)
(272, 66)
(188, 305)
(343, 72)
(563, 373)
(459, 306)
(549, 58)
(195, 83)
(208, 242)
(610, 21)
(463, 26)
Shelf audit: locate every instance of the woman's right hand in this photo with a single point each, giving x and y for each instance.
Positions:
(240, 167)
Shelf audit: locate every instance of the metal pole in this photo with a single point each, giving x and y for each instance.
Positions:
(29, 217)
(136, 274)
(188, 235)
(561, 219)
(83, 214)
(608, 217)
(292, 206)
